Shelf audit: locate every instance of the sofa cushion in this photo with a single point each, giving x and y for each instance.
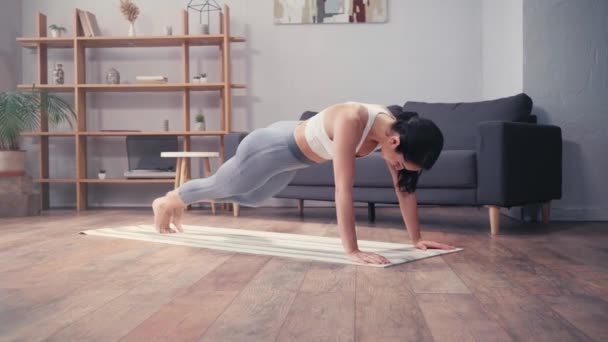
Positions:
(317, 174)
(453, 169)
(307, 115)
(458, 121)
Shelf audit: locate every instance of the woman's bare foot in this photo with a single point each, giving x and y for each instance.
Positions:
(177, 219)
(162, 216)
(167, 208)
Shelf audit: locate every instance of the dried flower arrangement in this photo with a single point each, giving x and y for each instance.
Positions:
(129, 10)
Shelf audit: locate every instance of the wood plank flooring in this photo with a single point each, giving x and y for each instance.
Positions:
(534, 282)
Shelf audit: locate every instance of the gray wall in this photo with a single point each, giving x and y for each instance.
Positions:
(429, 50)
(10, 55)
(566, 73)
(502, 48)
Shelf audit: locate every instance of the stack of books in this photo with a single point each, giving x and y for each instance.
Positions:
(151, 79)
(88, 23)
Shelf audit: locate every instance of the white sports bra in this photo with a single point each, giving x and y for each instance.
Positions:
(319, 141)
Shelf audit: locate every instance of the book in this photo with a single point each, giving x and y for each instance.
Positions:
(92, 23)
(84, 23)
(151, 82)
(150, 78)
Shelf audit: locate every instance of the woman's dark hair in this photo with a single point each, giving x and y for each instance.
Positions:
(421, 142)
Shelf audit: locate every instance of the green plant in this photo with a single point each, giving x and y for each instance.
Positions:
(58, 28)
(20, 111)
(102, 171)
(200, 118)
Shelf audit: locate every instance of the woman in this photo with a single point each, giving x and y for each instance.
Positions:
(267, 160)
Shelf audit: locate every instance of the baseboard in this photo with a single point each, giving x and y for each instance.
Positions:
(579, 214)
(532, 213)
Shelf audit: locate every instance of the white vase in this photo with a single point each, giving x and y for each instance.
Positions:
(101, 175)
(201, 126)
(132, 29)
(55, 33)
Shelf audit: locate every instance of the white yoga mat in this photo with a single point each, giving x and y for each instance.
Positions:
(318, 248)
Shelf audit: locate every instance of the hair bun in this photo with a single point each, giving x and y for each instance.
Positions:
(407, 116)
(401, 115)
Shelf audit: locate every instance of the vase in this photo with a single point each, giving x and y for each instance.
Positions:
(203, 29)
(132, 29)
(112, 76)
(58, 74)
(55, 33)
(201, 126)
(101, 175)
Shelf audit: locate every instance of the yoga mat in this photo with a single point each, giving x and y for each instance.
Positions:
(307, 247)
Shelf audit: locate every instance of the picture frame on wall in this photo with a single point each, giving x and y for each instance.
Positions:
(330, 11)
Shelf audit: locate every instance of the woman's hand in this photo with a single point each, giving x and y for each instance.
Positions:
(368, 258)
(424, 245)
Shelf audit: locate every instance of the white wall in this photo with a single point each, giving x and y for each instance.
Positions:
(566, 73)
(502, 45)
(10, 57)
(429, 50)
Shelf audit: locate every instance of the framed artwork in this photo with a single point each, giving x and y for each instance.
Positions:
(330, 11)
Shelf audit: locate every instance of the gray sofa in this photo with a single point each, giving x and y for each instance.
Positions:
(495, 155)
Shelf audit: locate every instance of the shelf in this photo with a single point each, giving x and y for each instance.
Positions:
(49, 87)
(60, 43)
(155, 41)
(142, 41)
(135, 87)
(118, 134)
(222, 87)
(131, 87)
(124, 180)
(48, 134)
(55, 180)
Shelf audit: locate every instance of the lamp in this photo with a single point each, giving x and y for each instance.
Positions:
(206, 6)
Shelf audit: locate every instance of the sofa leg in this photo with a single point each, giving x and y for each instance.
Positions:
(371, 212)
(301, 206)
(494, 219)
(546, 212)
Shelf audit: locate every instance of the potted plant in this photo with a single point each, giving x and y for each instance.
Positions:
(200, 119)
(20, 112)
(56, 30)
(102, 174)
(203, 78)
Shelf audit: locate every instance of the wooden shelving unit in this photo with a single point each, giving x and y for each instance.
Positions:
(80, 88)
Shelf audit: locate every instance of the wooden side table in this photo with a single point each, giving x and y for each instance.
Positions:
(181, 174)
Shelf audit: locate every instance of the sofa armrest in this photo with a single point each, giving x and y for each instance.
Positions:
(231, 142)
(518, 163)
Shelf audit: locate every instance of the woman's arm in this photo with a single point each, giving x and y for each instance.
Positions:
(346, 133)
(408, 206)
(345, 127)
(409, 210)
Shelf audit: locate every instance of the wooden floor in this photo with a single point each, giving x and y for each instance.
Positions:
(534, 282)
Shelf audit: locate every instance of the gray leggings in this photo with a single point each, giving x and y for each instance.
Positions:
(264, 163)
